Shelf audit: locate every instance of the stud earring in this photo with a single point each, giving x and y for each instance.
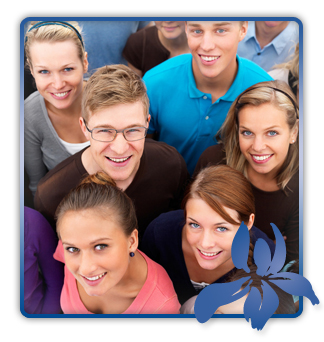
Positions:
(131, 254)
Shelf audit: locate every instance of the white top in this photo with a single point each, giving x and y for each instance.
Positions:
(74, 148)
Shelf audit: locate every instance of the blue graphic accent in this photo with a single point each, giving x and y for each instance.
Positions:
(257, 307)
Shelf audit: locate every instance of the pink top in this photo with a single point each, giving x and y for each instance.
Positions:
(157, 295)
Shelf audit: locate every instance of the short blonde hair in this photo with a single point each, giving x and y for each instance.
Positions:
(111, 85)
(53, 33)
(280, 95)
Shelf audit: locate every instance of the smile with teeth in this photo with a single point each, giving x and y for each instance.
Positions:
(209, 58)
(208, 254)
(60, 94)
(118, 160)
(96, 277)
(260, 158)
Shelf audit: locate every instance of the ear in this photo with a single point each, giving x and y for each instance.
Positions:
(243, 30)
(85, 63)
(294, 132)
(186, 28)
(133, 241)
(148, 120)
(251, 221)
(84, 128)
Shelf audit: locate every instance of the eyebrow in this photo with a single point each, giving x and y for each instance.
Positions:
(91, 243)
(45, 67)
(222, 23)
(215, 224)
(271, 127)
(109, 126)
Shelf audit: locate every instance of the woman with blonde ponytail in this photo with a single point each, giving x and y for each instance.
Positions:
(260, 139)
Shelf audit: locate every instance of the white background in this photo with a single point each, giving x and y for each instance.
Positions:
(14, 326)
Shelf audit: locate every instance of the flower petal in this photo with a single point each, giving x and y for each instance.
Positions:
(262, 257)
(279, 257)
(260, 311)
(295, 284)
(215, 295)
(240, 248)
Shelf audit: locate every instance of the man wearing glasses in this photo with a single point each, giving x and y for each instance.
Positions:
(115, 119)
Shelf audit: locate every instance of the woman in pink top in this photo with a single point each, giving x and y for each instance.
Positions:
(104, 271)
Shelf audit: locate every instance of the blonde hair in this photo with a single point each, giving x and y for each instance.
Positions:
(292, 65)
(111, 85)
(279, 94)
(53, 33)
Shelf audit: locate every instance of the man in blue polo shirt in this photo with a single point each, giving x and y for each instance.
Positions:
(268, 43)
(191, 94)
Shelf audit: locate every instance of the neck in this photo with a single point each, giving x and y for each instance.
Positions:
(216, 86)
(265, 182)
(265, 35)
(175, 46)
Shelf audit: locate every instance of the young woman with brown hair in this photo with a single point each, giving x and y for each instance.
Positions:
(194, 244)
(105, 273)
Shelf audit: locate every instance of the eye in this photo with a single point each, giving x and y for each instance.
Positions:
(196, 31)
(272, 133)
(220, 31)
(132, 130)
(43, 72)
(72, 249)
(68, 69)
(246, 133)
(221, 229)
(100, 247)
(194, 225)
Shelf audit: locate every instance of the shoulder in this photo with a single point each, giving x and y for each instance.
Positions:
(166, 226)
(251, 69)
(67, 173)
(279, 74)
(33, 105)
(213, 155)
(170, 66)
(160, 154)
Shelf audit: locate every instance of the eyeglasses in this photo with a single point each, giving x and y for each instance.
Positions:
(109, 134)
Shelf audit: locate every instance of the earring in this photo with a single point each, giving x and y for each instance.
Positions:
(293, 141)
(131, 254)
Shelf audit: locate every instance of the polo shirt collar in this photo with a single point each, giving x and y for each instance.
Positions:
(230, 95)
(194, 92)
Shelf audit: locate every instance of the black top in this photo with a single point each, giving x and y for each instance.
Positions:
(144, 50)
(278, 207)
(157, 187)
(162, 242)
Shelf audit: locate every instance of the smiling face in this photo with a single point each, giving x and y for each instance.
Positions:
(170, 29)
(120, 158)
(58, 72)
(264, 138)
(209, 235)
(213, 45)
(96, 250)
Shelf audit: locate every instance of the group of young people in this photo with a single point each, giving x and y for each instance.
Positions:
(141, 175)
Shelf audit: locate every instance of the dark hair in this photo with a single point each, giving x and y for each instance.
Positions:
(286, 302)
(99, 192)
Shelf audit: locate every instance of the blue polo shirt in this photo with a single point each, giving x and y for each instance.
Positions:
(278, 51)
(185, 117)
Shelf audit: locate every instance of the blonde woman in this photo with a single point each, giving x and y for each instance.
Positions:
(57, 59)
(260, 139)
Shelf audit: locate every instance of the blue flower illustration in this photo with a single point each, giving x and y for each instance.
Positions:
(258, 306)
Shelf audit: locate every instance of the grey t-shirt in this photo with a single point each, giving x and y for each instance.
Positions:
(43, 149)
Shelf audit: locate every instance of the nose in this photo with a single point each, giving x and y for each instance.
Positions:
(207, 240)
(87, 265)
(258, 144)
(58, 81)
(119, 145)
(207, 43)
